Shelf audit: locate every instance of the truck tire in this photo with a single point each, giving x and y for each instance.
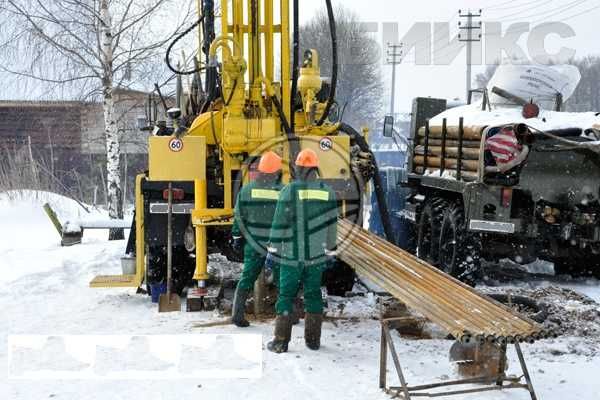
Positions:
(577, 267)
(428, 230)
(459, 250)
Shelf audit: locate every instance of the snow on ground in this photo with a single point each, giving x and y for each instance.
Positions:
(44, 290)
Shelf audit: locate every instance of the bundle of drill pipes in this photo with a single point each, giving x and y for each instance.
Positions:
(459, 309)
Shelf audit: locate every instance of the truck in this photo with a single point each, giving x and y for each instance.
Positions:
(459, 203)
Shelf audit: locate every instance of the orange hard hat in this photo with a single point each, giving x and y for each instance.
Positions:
(307, 158)
(269, 163)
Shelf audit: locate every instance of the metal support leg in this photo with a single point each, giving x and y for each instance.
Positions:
(525, 371)
(390, 343)
(383, 360)
(501, 365)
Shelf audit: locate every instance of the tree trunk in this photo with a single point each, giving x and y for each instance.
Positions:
(113, 153)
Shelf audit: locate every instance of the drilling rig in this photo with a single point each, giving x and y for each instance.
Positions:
(252, 91)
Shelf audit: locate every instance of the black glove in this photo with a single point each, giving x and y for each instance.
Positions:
(269, 263)
(330, 262)
(238, 244)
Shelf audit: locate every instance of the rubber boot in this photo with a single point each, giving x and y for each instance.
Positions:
(312, 330)
(283, 333)
(295, 317)
(239, 308)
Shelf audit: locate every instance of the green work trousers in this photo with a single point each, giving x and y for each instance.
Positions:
(290, 280)
(253, 264)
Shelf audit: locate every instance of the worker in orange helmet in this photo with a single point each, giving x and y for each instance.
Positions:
(254, 211)
(302, 243)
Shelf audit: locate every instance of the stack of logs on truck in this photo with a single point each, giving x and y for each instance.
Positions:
(463, 208)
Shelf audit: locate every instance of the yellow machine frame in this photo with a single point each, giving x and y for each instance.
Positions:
(245, 125)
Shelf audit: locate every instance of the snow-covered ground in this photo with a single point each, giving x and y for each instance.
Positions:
(44, 291)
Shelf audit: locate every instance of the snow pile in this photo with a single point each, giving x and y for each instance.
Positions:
(31, 230)
(540, 84)
(547, 120)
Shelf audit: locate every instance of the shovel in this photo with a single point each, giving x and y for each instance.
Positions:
(169, 302)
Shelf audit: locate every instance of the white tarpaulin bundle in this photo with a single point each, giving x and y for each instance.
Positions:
(540, 83)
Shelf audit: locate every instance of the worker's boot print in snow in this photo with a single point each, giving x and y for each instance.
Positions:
(239, 308)
(283, 333)
(312, 330)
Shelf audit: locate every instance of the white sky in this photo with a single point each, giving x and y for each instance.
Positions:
(449, 81)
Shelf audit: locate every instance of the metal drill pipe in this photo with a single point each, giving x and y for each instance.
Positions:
(492, 319)
(388, 279)
(435, 292)
(463, 319)
(451, 313)
(487, 327)
(382, 282)
(481, 301)
(467, 320)
(488, 301)
(486, 323)
(381, 279)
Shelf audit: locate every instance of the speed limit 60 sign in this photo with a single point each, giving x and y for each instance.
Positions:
(326, 144)
(176, 145)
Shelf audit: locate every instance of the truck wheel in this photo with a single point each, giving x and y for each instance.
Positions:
(428, 230)
(577, 267)
(460, 250)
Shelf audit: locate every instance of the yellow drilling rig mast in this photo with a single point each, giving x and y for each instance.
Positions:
(252, 91)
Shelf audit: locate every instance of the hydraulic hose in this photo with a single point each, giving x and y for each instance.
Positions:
(211, 78)
(539, 310)
(377, 183)
(296, 64)
(293, 148)
(334, 66)
(174, 42)
(291, 137)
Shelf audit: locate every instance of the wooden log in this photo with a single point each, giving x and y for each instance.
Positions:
(452, 152)
(450, 163)
(470, 132)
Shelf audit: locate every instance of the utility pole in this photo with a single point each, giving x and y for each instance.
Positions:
(471, 36)
(394, 57)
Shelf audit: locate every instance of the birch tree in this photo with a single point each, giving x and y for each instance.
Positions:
(86, 49)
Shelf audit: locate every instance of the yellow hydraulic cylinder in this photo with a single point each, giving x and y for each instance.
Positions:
(201, 273)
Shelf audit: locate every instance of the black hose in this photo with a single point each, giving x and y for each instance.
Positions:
(334, 67)
(212, 90)
(174, 42)
(296, 64)
(539, 310)
(293, 147)
(377, 183)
